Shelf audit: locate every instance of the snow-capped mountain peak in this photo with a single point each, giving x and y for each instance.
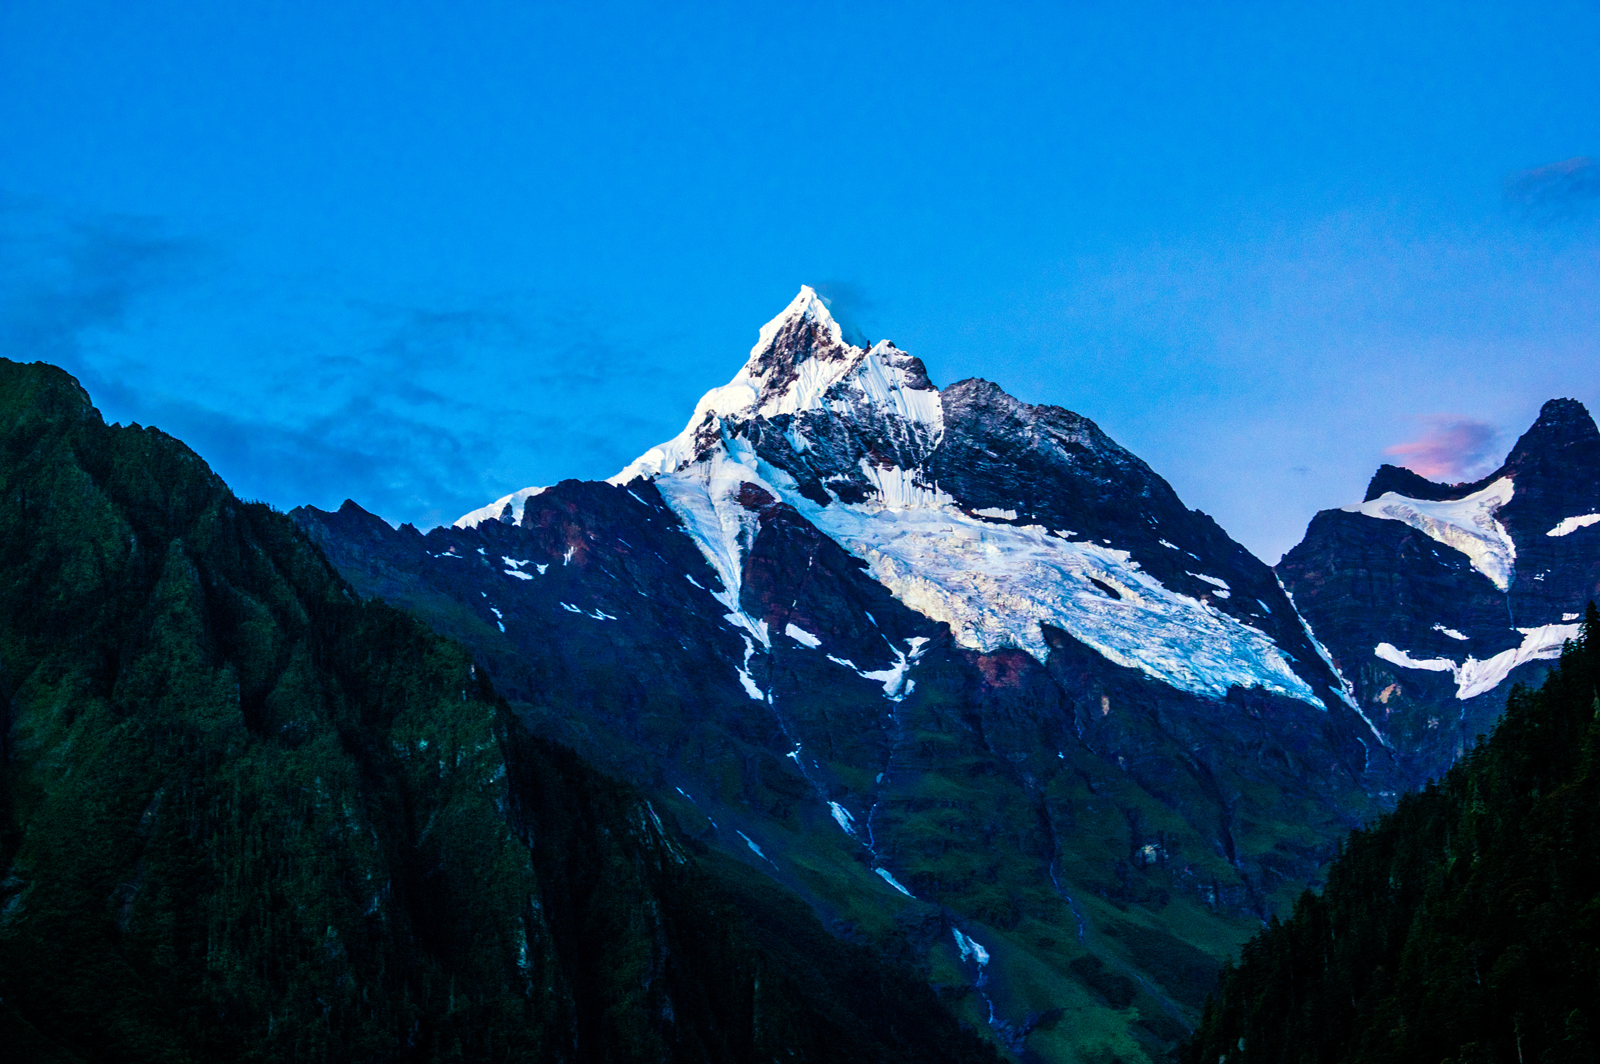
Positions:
(801, 365)
(998, 518)
(855, 440)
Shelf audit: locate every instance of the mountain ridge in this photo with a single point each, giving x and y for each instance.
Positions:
(938, 658)
(247, 814)
(931, 659)
(1432, 596)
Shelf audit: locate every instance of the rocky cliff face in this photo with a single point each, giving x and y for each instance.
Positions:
(1434, 599)
(961, 671)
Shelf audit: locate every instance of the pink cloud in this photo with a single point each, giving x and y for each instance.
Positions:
(1452, 449)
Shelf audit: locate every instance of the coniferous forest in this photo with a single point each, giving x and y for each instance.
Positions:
(246, 815)
(1464, 927)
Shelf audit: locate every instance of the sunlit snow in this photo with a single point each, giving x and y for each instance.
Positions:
(994, 583)
(865, 374)
(493, 511)
(748, 681)
(754, 848)
(1467, 524)
(801, 636)
(1572, 524)
(893, 882)
(705, 496)
(970, 947)
(1474, 677)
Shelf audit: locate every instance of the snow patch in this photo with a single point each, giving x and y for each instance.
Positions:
(1467, 525)
(895, 684)
(970, 948)
(751, 688)
(754, 848)
(842, 815)
(893, 882)
(1214, 580)
(706, 498)
(1474, 677)
(801, 636)
(1395, 656)
(1451, 632)
(995, 511)
(995, 584)
(518, 573)
(1347, 691)
(1570, 525)
(493, 510)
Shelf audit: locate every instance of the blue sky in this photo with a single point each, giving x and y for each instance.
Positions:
(423, 254)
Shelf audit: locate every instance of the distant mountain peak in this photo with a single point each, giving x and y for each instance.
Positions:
(973, 508)
(801, 364)
(1563, 426)
(1562, 432)
(1568, 415)
(1402, 481)
(798, 328)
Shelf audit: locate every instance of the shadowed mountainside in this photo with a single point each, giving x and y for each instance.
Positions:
(1463, 927)
(246, 815)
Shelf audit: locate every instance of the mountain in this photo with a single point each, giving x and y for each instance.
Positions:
(960, 671)
(1464, 926)
(1434, 599)
(246, 814)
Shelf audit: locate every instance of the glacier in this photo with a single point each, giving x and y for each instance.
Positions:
(1467, 524)
(1474, 677)
(995, 582)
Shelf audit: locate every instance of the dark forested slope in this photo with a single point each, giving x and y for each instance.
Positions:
(1464, 926)
(245, 815)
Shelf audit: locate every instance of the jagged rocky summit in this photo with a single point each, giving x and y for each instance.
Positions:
(961, 671)
(992, 516)
(1435, 598)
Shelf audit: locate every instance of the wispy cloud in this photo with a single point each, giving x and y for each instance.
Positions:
(1556, 191)
(850, 306)
(63, 277)
(299, 393)
(1452, 448)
